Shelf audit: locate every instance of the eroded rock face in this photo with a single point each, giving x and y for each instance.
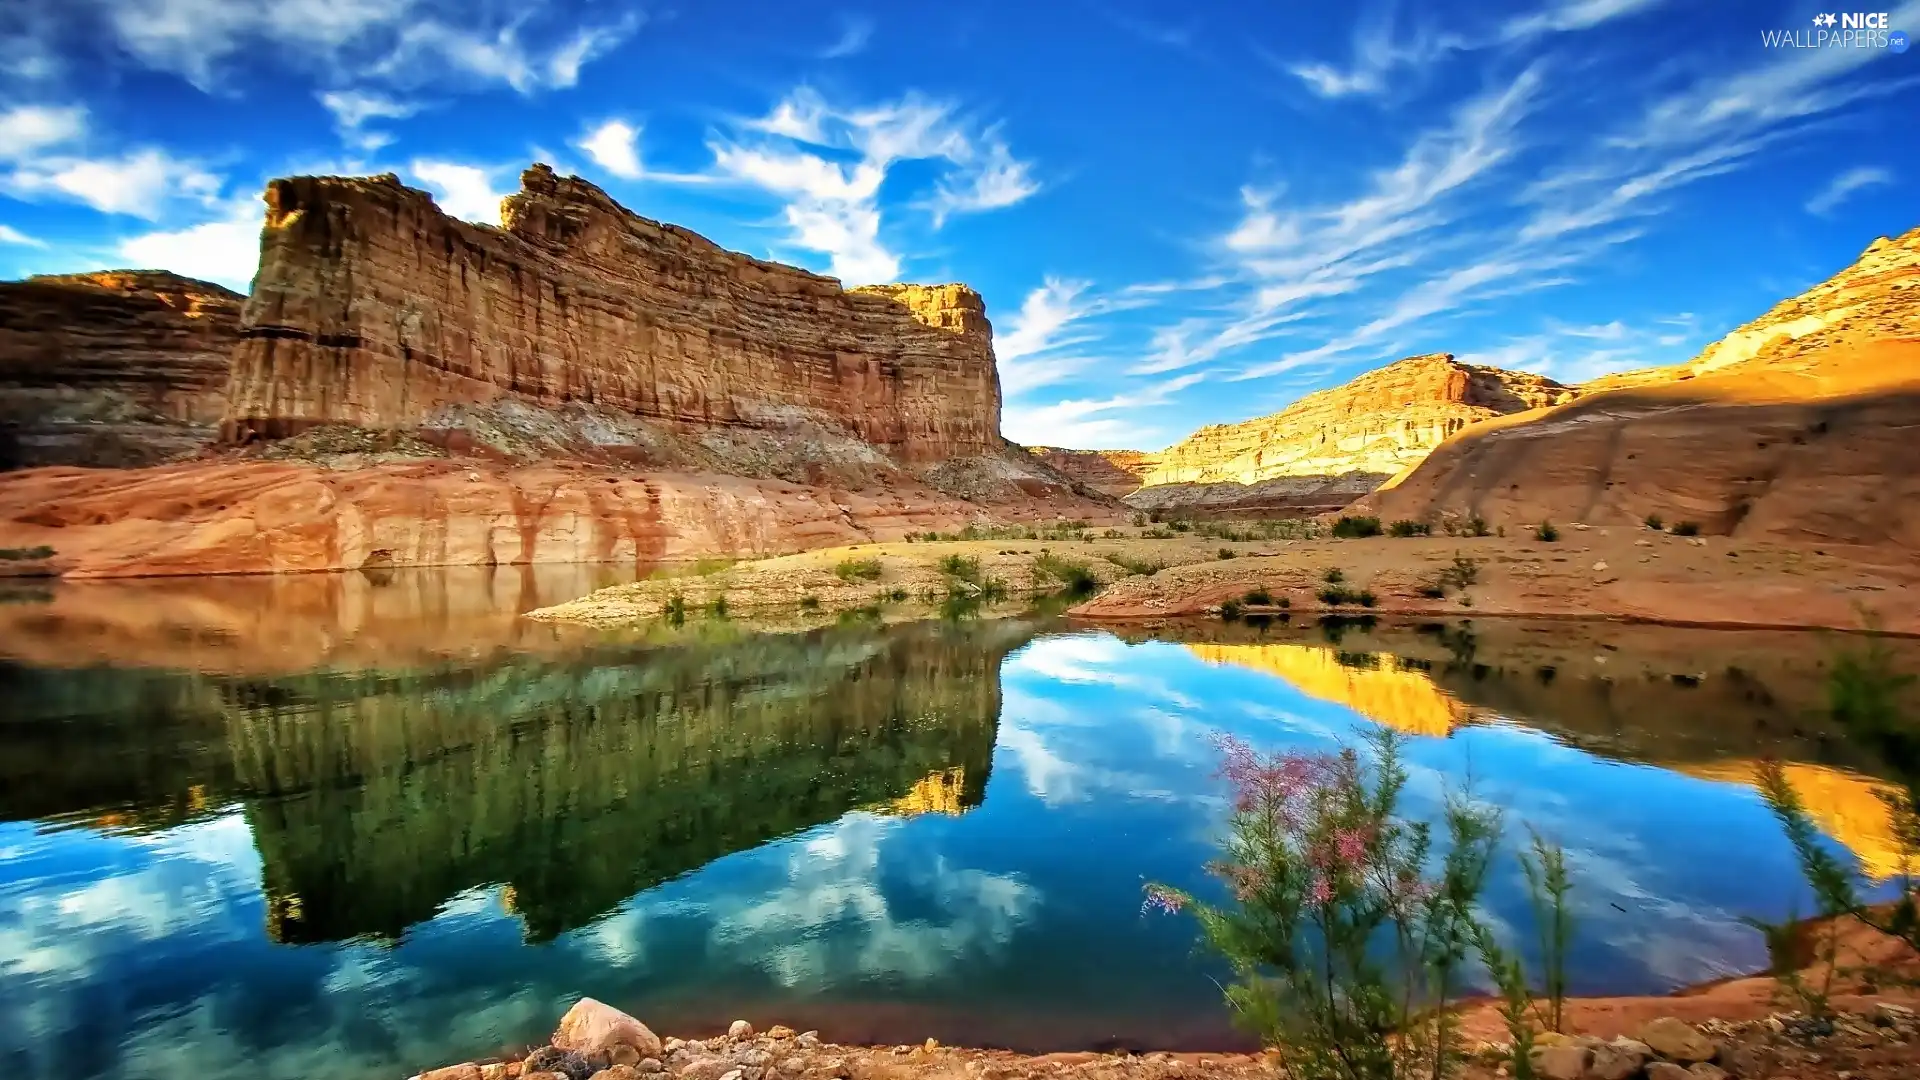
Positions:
(1797, 427)
(1344, 440)
(373, 308)
(119, 367)
(1111, 472)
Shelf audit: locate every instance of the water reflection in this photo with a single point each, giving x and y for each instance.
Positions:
(365, 846)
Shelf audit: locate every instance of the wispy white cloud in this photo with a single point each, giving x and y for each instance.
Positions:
(30, 129)
(855, 32)
(356, 43)
(467, 192)
(353, 109)
(829, 162)
(1840, 187)
(11, 235)
(1575, 353)
(1042, 343)
(615, 147)
(139, 183)
(1092, 422)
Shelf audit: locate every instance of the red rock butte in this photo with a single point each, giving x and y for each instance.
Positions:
(373, 308)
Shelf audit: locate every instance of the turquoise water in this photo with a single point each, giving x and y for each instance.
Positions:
(309, 862)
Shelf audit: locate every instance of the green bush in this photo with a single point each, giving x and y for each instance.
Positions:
(961, 567)
(1258, 598)
(718, 607)
(851, 570)
(1687, 528)
(1356, 527)
(15, 554)
(1654, 522)
(1227, 553)
(1230, 610)
(1410, 528)
(897, 595)
(809, 602)
(1333, 576)
(1071, 574)
(1545, 532)
(675, 609)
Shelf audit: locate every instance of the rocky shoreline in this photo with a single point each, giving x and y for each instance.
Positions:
(1877, 1039)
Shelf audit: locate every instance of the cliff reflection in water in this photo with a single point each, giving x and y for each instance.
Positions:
(373, 797)
(1581, 685)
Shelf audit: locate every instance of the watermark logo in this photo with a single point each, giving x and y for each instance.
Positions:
(1840, 30)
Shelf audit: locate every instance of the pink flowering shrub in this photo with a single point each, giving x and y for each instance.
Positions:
(1347, 932)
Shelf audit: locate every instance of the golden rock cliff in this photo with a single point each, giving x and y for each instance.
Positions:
(1797, 427)
(1332, 446)
(374, 309)
(120, 367)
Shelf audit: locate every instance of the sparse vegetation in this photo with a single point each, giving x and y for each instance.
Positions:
(1333, 576)
(1687, 528)
(1407, 527)
(1133, 565)
(961, 567)
(851, 570)
(809, 602)
(1477, 526)
(1072, 575)
(897, 595)
(1227, 553)
(1545, 532)
(1655, 523)
(21, 554)
(1356, 527)
(1230, 610)
(1340, 595)
(675, 610)
(1462, 573)
(717, 607)
(1258, 598)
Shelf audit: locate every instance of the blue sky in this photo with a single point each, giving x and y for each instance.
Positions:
(1179, 213)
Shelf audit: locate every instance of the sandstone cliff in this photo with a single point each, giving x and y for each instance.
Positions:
(121, 367)
(1331, 446)
(1798, 427)
(373, 308)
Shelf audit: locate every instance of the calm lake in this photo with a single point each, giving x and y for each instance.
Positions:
(350, 826)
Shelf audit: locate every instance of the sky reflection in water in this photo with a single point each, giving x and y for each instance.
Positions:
(911, 902)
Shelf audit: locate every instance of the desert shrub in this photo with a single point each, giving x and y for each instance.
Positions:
(1348, 933)
(1364, 597)
(1406, 527)
(1072, 575)
(675, 609)
(897, 595)
(1687, 528)
(809, 602)
(1432, 590)
(1356, 527)
(16, 554)
(1139, 521)
(1230, 610)
(1333, 576)
(858, 570)
(1180, 525)
(1158, 534)
(717, 607)
(1112, 534)
(960, 567)
(1258, 598)
(1545, 532)
(1227, 553)
(1654, 522)
(1477, 526)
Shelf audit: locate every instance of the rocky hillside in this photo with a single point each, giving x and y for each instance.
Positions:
(1797, 427)
(121, 367)
(1110, 472)
(1330, 447)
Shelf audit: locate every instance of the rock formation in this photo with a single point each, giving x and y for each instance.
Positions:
(1798, 427)
(373, 308)
(1332, 446)
(409, 389)
(1111, 472)
(122, 367)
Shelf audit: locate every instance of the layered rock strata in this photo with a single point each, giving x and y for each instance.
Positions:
(1333, 445)
(121, 367)
(1798, 427)
(374, 309)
